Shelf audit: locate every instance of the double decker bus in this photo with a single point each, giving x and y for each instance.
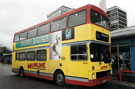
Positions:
(73, 48)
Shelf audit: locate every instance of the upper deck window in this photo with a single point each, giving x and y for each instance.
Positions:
(16, 38)
(32, 33)
(23, 35)
(98, 19)
(44, 29)
(59, 24)
(77, 18)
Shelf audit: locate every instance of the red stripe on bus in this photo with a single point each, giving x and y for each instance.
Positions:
(38, 76)
(30, 74)
(74, 82)
(46, 77)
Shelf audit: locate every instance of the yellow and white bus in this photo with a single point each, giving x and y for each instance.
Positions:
(73, 48)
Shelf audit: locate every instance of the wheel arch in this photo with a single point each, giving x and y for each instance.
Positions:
(21, 68)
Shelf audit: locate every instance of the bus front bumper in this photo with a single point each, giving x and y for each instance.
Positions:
(100, 80)
(89, 83)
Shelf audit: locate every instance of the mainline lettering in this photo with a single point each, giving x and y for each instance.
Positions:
(36, 65)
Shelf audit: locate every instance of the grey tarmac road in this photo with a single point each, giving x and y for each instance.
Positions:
(9, 80)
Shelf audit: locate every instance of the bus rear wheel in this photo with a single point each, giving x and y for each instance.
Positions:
(59, 78)
(21, 72)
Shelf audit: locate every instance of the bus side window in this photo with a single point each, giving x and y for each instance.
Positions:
(23, 36)
(77, 18)
(78, 52)
(59, 24)
(17, 54)
(32, 33)
(43, 29)
(31, 56)
(22, 56)
(41, 55)
(16, 38)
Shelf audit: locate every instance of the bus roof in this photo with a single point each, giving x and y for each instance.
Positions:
(88, 6)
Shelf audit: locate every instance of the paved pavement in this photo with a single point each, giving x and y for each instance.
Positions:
(123, 83)
(9, 80)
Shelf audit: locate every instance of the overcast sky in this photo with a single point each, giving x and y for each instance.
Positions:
(16, 15)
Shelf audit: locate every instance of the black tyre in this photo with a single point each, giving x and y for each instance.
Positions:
(59, 78)
(21, 73)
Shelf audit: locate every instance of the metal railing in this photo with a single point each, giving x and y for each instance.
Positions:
(125, 71)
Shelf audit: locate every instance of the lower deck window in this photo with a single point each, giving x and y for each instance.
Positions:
(17, 56)
(41, 55)
(31, 56)
(78, 52)
(21, 56)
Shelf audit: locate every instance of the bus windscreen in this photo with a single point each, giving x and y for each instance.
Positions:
(100, 52)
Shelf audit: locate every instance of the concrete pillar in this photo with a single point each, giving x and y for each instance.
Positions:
(118, 56)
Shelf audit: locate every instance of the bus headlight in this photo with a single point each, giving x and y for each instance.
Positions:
(111, 72)
(93, 75)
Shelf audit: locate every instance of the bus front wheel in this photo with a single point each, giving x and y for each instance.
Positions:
(59, 78)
